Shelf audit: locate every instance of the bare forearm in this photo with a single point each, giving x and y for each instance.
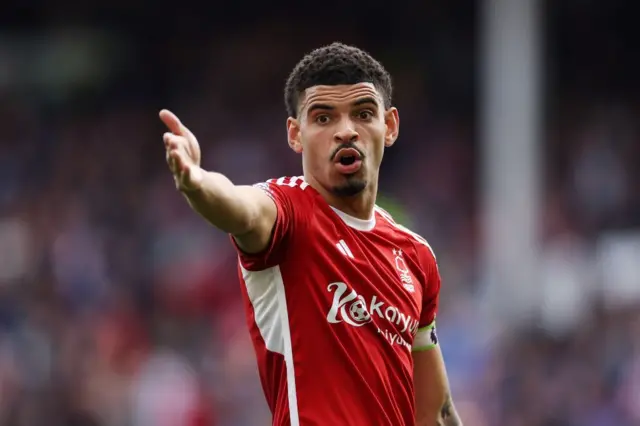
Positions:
(243, 211)
(448, 415)
(434, 406)
(444, 415)
(222, 204)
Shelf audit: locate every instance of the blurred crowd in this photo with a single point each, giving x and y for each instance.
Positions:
(120, 307)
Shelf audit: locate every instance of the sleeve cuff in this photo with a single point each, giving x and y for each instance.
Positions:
(426, 338)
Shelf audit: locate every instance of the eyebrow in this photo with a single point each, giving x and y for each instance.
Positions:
(359, 102)
(367, 100)
(324, 107)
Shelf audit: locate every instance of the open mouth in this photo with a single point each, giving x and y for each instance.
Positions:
(347, 156)
(348, 161)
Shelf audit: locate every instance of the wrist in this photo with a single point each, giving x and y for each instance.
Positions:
(192, 183)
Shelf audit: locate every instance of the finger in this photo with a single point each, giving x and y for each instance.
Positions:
(173, 123)
(173, 167)
(167, 138)
(173, 141)
(178, 162)
(170, 147)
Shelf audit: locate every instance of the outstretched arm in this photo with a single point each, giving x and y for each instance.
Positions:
(434, 406)
(245, 212)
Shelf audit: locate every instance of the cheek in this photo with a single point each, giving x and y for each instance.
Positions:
(316, 144)
(315, 153)
(377, 137)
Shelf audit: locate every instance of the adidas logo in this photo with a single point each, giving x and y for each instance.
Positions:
(344, 249)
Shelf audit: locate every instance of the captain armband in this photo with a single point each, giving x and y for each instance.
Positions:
(426, 338)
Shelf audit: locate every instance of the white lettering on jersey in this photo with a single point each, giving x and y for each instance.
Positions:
(350, 307)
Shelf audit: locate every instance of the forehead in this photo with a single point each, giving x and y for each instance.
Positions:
(344, 93)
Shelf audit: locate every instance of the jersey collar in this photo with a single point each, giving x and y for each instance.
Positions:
(356, 223)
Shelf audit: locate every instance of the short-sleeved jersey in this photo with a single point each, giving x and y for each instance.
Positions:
(335, 306)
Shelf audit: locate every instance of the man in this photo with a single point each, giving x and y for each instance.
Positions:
(341, 300)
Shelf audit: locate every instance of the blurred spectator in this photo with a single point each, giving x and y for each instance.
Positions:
(120, 307)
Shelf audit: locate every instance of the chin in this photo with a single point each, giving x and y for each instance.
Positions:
(353, 186)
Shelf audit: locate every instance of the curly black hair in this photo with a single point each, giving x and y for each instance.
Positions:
(335, 64)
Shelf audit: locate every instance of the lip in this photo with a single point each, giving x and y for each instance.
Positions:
(347, 152)
(348, 169)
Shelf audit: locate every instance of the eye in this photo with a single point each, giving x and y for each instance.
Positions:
(365, 115)
(322, 119)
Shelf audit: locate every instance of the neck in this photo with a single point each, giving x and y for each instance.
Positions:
(360, 206)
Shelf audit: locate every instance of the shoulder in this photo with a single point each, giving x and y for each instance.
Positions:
(288, 186)
(418, 250)
(423, 249)
(294, 197)
(289, 182)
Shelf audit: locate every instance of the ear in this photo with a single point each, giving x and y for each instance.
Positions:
(293, 135)
(392, 124)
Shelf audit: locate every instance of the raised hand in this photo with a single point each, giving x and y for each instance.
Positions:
(182, 153)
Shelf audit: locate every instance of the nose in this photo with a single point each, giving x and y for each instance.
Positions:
(346, 132)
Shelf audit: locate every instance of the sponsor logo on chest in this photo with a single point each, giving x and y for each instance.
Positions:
(353, 309)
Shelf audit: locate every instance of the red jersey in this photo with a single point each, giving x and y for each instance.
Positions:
(335, 305)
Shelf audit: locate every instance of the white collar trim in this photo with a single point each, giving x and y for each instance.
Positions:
(356, 223)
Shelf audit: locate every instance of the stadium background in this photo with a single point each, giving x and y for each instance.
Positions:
(119, 306)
